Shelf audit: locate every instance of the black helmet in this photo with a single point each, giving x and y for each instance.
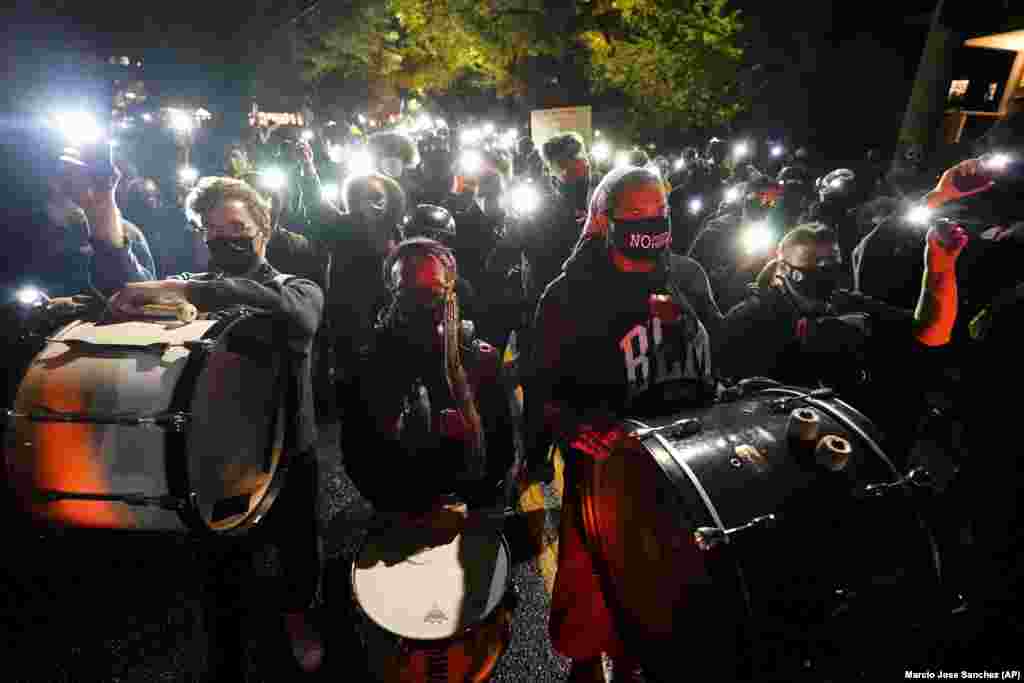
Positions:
(794, 173)
(837, 183)
(434, 222)
(716, 150)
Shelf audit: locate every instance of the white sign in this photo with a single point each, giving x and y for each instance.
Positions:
(546, 123)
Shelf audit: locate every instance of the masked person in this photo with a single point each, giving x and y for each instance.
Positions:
(617, 335)
(236, 222)
(426, 395)
(360, 241)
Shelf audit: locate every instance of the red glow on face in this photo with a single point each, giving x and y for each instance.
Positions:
(641, 201)
(578, 168)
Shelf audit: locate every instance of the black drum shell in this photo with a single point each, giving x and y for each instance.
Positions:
(770, 596)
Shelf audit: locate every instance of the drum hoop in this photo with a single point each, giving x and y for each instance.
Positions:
(455, 636)
(691, 475)
(178, 475)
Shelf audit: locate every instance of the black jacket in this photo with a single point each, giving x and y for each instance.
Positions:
(403, 466)
(297, 304)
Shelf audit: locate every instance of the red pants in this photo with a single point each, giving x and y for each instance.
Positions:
(581, 624)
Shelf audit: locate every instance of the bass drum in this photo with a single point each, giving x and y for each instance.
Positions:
(431, 611)
(144, 425)
(768, 535)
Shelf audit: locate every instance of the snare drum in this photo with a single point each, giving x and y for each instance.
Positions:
(145, 425)
(769, 531)
(433, 613)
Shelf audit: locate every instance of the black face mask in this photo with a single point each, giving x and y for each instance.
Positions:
(817, 284)
(234, 256)
(641, 239)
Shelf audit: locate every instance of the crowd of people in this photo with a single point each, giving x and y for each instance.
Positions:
(625, 289)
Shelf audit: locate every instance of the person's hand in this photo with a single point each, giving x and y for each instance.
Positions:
(662, 306)
(305, 154)
(598, 435)
(945, 242)
(963, 174)
(130, 300)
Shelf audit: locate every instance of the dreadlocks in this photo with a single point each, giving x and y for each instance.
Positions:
(415, 251)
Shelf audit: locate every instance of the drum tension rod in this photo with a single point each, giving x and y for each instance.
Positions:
(166, 502)
(709, 537)
(175, 421)
(684, 427)
(918, 477)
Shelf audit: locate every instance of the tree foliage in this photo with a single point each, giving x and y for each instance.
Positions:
(675, 61)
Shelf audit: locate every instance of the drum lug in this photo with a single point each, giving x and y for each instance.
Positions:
(709, 537)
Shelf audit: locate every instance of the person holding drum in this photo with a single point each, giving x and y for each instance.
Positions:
(809, 332)
(617, 334)
(236, 221)
(428, 395)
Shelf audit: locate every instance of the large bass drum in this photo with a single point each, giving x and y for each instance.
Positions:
(767, 536)
(146, 425)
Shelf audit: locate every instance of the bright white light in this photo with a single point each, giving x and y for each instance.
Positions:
(696, 204)
(329, 192)
(602, 151)
(147, 117)
(597, 133)
(740, 150)
(335, 153)
(524, 199)
(471, 162)
(998, 162)
(488, 129)
(307, 135)
(362, 119)
(920, 215)
(732, 194)
(188, 175)
(125, 124)
(757, 238)
(360, 162)
(622, 159)
(835, 183)
(180, 121)
(114, 143)
(30, 296)
(509, 139)
(441, 123)
(680, 163)
(424, 122)
(79, 128)
(274, 179)
(777, 151)
(470, 136)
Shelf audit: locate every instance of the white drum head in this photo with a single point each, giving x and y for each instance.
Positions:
(430, 593)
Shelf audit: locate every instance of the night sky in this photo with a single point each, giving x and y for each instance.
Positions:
(823, 69)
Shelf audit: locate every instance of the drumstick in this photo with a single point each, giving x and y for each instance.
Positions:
(184, 311)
